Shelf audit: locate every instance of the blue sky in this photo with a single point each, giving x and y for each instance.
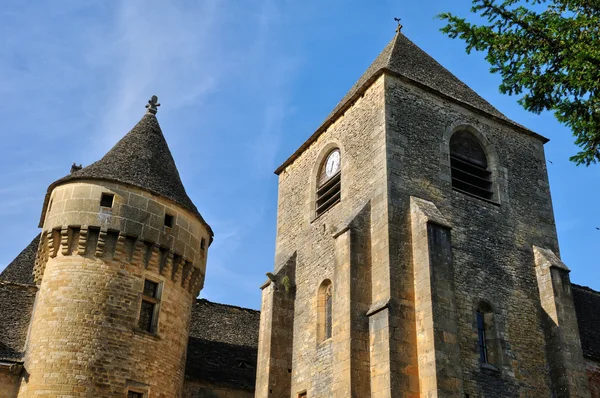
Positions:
(242, 85)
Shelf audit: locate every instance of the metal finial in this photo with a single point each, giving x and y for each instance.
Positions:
(399, 28)
(153, 105)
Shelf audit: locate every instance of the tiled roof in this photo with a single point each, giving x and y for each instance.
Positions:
(142, 159)
(401, 57)
(223, 345)
(587, 308)
(16, 305)
(20, 270)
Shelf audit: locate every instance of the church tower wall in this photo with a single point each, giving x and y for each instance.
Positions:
(340, 365)
(492, 240)
(86, 337)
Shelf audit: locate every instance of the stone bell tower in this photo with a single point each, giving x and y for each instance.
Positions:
(121, 259)
(416, 251)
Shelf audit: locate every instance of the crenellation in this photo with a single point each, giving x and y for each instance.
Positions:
(167, 265)
(121, 249)
(138, 251)
(64, 242)
(177, 270)
(82, 241)
(186, 274)
(113, 245)
(154, 258)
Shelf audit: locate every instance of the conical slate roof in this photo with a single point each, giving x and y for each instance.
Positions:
(142, 159)
(401, 57)
(20, 270)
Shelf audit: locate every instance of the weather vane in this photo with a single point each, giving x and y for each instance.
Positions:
(153, 105)
(399, 28)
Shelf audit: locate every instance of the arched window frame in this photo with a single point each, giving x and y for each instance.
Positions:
(498, 173)
(324, 311)
(486, 330)
(316, 181)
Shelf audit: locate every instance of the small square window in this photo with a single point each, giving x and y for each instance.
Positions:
(150, 288)
(106, 200)
(135, 394)
(169, 220)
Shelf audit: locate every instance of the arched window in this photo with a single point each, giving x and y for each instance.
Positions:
(325, 311)
(487, 342)
(329, 182)
(470, 170)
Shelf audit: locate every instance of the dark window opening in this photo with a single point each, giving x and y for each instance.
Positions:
(106, 200)
(328, 313)
(169, 220)
(150, 289)
(149, 307)
(302, 395)
(483, 353)
(468, 162)
(202, 243)
(134, 394)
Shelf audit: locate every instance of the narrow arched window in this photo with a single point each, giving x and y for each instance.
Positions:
(328, 309)
(481, 337)
(470, 170)
(325, 311)
(329, 182)
(487, 341)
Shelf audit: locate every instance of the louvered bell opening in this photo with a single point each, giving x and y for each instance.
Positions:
(329, 194)
(471, 178)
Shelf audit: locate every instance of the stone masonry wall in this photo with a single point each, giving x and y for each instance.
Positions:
(84, 340)
(491, 242)
(359, 134)
(593, 372)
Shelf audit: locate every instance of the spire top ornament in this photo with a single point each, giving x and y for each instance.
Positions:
(399, 28)
(153, 105)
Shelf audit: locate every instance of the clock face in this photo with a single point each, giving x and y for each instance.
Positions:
(333, 163)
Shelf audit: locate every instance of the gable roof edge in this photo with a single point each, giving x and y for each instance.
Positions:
(360, 91)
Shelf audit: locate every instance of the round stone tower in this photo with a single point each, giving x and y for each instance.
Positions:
(121, 259)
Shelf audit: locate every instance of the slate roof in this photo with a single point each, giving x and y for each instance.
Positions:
(223, 345)
(16, 305)
(20, 270)
(142, 159)
(401, 57)
(587, 308)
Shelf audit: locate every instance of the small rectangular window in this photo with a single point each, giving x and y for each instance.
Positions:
(202, 244)
(106, 200)
(169, 220)
(148, 319)
(302, 395)
(135, 394)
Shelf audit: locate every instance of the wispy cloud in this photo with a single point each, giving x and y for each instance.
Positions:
(164, 49)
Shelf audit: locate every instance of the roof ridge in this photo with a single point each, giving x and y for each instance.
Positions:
(586, 288)
(402, 57)
(198, 300)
